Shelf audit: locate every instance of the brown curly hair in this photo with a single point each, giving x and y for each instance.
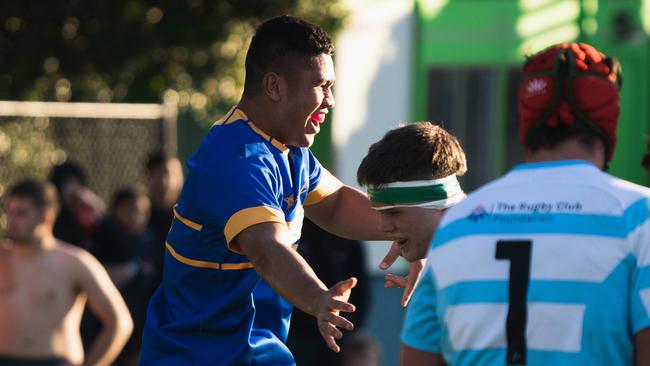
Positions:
(415, 151)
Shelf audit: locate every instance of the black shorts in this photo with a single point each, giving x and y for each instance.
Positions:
(24, 361)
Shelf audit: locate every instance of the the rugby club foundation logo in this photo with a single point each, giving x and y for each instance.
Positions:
(478, 213)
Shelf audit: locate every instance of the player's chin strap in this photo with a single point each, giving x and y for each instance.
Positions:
(435, 194)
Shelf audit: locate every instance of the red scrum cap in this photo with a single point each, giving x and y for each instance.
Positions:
(571, 83)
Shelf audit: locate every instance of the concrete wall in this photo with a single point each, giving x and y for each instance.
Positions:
(372, 92)
(373, 71)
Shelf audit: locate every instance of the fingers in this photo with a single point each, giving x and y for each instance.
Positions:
(393, 281)
(328, 332)
(415, 268)
(337, 305)
(327, 326)
(390, 258)
(333, 302)
(344, 286)
(337, 321)
(406, 297)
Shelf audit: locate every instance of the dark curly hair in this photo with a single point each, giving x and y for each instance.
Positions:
(415, 151)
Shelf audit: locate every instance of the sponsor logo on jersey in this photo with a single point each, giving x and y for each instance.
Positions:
(477, 214)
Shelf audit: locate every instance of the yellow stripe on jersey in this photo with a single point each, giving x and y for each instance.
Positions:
(268, 138)
(204, 264)
(212, 265)
(248, 217)
(234, 114)
(194, 225)
(327, 185)
(236, 266)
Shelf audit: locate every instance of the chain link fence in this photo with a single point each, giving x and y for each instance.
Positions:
(111, 141)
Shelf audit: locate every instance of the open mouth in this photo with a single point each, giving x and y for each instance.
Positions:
(318, 118)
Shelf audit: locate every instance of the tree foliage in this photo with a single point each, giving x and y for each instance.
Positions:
(185, 51)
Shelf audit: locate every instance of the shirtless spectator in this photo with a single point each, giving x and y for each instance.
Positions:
(44, 286)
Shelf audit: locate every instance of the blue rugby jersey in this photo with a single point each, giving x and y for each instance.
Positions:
(548, 265)
(212, 308)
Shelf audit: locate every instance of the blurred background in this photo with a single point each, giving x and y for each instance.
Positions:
(108, 83)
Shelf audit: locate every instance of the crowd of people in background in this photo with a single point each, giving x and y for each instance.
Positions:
(127, 235)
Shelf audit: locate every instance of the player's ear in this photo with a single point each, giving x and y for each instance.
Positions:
(271, 84)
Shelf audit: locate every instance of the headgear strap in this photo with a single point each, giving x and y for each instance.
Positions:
(568, 82)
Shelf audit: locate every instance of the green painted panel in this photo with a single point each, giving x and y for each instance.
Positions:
(621, 34)
(498, 33)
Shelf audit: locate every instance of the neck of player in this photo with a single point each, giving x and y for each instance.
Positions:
(571, 149)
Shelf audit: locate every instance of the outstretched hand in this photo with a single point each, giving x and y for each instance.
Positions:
(329, 306)
(407, 282)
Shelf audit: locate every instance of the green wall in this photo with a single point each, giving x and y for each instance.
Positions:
(497, 34)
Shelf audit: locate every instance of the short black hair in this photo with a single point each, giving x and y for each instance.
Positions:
(127, 194)
(278, 44)
(42, 194)
(541, 136)
(70, 169)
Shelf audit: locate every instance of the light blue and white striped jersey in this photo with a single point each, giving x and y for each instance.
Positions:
(548, 265)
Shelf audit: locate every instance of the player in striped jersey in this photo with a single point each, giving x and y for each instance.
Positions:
(550, 264)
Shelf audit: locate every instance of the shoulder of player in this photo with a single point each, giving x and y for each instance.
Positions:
(473, 204)
(74, 257)
(629, 187)
(226, 153)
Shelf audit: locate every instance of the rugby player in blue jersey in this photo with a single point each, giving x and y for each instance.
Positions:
(231, 272)
(549, 264)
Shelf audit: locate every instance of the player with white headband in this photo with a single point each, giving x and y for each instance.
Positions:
(411, 178)
(436, 193)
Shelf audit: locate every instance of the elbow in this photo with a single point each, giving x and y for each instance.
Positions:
(125, 325)
(120, 325)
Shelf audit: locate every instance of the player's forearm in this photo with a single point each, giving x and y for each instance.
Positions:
(109, 342)
(348, 214)
(289, 275)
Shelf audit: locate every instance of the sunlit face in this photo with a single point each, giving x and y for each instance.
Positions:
(133, 215)
(412, 228)
(308, 99)
(24, 220)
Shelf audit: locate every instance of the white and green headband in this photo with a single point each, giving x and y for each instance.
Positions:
(437, 194)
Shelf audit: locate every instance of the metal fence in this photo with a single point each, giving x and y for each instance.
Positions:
(111, 141)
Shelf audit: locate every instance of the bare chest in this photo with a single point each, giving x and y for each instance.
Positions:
(30, 287)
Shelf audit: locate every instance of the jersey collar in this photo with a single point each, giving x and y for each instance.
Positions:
(236, 114)
(552, 164)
